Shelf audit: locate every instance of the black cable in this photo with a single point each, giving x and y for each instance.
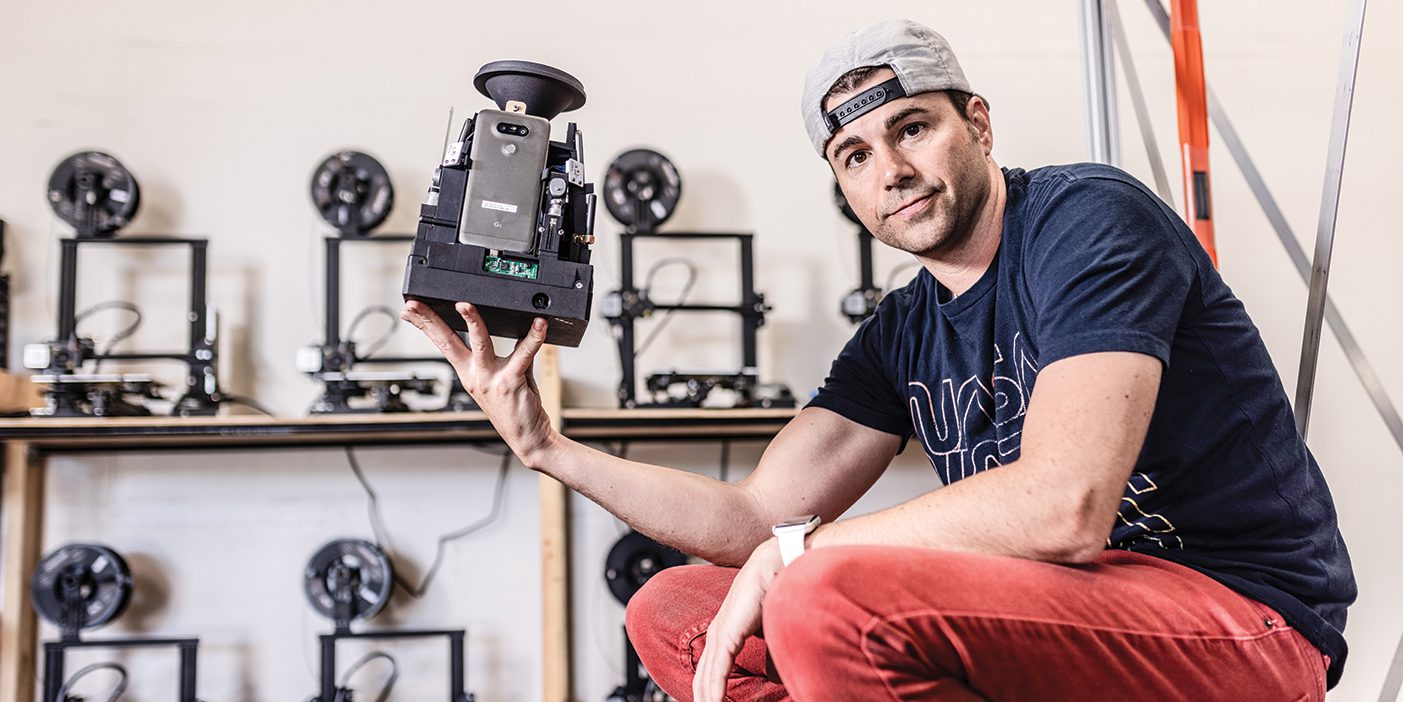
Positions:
(390, 679)
(112, 695)
(384, 339)
(381, 533)
(119, 336)
(682, 296)
(246, 402)
(372, 504)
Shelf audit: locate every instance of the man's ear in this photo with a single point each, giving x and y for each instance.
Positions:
(978, 114)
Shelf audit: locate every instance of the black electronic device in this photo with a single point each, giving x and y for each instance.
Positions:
(352, 192)
(862, 300)
(631, 562)
(642, 188)
(96, 194)
(350, 580)
(509, 219)
(84, 586)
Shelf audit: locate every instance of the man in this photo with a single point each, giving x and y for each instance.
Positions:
(1128, 510)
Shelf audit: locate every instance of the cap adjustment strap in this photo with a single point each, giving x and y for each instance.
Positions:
(863, 103)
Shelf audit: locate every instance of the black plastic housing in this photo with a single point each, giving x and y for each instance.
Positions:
(442, 271)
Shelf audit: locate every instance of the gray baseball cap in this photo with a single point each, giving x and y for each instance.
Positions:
(921, 58)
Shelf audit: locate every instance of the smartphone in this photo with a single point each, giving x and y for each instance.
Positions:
(504, 183)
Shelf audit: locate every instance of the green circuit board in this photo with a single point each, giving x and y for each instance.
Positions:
(506, 266)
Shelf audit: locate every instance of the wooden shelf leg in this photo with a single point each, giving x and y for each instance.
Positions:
(555, 546)
(22, 508)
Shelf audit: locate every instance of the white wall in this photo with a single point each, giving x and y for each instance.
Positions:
(223, 110)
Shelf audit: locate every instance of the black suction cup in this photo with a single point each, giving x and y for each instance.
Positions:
(352, 192)
(95, 193)
(81, 586)
(842, 203)
(348, 579)
(633, 560)
(546, 91)
(641, 189)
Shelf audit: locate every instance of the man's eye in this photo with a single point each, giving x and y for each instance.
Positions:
(856, 158)
(913, 129)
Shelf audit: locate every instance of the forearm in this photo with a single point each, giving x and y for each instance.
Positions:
(693, 513)
(1008, 511)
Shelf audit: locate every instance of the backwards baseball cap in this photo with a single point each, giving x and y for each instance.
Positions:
(921, 58)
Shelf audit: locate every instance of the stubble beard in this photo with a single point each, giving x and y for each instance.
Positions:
(949, 221)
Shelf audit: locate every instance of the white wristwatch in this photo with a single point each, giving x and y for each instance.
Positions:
(791, 533)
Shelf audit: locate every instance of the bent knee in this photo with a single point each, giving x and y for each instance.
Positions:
(827, 582)
(674, 600)
(836, 569)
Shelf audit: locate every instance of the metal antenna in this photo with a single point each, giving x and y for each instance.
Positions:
(448, 128)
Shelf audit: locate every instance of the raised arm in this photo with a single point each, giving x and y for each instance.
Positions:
(819, 463)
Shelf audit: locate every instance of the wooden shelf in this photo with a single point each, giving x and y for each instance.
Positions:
(27, 442)
(88, 433)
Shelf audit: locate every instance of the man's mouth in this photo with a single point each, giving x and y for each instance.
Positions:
(911, 207)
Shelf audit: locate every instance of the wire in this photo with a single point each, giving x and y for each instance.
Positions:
(246, 402)
(390, 679)
(682, 296)
(112, 695)
(384, 339)
(897, 270)
(381, 533)
(119, 336)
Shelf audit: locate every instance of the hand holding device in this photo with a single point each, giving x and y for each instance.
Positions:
(503, 387)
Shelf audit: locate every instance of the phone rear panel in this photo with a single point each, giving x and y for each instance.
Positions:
(508, 155)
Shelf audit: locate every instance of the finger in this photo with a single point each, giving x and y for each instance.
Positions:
(709, 682)
(478, 340)
(426, 320)
(699, 679)
(520, 360)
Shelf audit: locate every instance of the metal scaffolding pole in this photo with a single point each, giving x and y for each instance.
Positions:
(1364, 371)
(1330, 203)
(1099, 82)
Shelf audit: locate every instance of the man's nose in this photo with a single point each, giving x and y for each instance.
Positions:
(897, 170)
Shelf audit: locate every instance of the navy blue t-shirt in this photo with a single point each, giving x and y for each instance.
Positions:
(1091, 261)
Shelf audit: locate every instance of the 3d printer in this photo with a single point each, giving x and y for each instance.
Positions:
(351, 191)
(642, 188)
(97, 195)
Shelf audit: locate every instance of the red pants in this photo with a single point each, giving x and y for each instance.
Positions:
(857, 623)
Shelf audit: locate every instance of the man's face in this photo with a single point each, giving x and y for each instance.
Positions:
(913, 170)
